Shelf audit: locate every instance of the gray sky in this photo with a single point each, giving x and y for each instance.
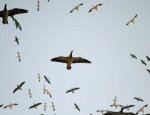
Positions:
(100, 36)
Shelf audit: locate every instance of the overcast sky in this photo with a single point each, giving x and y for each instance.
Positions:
(100, 36)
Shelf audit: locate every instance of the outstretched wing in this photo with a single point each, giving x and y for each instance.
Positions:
(31, 106)
(15, 90)
(22, 84)
(38, 104)
(69, 91)
(80, 60)
(60, 59)
(16, 11)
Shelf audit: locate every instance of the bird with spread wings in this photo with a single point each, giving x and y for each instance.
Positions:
(76, 7)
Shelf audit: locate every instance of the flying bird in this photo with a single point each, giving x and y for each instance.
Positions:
(143, 62)
(132, 20)
(17, 40)
(18, 25)
(148, 71)
(102, 111)
(53, 106)
(38, 5)
(39, 77)
(76, 8)
(18, 87)
(94, 7)
(72, 90)
(48, 92)
(44, 89)
(35, 105)
(148, 59)
(141, 109)
(29, 93)
(1, 106)
(70, 59)
(47, 79)
(77, 107)
(138, 99)
(45, 106)
(11, 105)
(19, 57)
(133, 56)
(5, 13)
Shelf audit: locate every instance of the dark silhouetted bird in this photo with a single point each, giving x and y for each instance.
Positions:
(133, 56)
(143, 62)
(1, 106)
(47, 79)
(77, 107)
(35, 105)
(5, 13)
(148, 71)
(17, 40)
(138, 99)
(72, 90)
(148, 59)
(18, 87)
(70, 59)
(18, 25)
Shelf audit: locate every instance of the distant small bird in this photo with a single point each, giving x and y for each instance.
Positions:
(148, 71)
(76, 8)
(12, 17)
(29, 93)
(132, 20)
(133, 56)
(77, 107)
(69, 60)
(72, 90)
(148, 59)
(17, 40)
(39, 77)
(1, 106)
(44, 89)
(102, 111)
(47, 79)
(141, 109)
(18, 87)
(53, 106)
(115, 100)
(11, 105)
(48, 92)
(35, 105)
(143, 62)
(5, 13)
(94, 7)
(38, 5)
(19, 57)
(138, 99)
(45, 106)
(18, 25)
(116, 105)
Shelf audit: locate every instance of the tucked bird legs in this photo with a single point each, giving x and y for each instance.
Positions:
(76, 8)
(5, 13)
(94, 7)
(18, 87)
(11, 105)
(69, 60)
(132, 20)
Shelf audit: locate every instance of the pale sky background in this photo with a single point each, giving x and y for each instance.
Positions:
(100, 36)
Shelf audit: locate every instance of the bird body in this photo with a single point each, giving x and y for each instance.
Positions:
(138, 99)
(5, 13)
(47, 79)
(38, 5)
(72, 90)
(45, 106)
(94, 7)
(29, 93)
(53, 106)
(132, 20)
(143, 62)
(148, 59)
(133, 56)
(19, 57)
(76, 7)
(39, 77)
(17, 40)
(18, 87)
(69, 60)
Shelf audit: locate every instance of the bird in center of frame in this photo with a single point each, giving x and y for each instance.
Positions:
(70, 59)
